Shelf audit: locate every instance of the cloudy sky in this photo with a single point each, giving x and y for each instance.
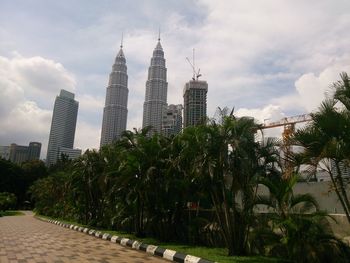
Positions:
(268, 59)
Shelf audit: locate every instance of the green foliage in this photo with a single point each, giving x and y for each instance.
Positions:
(326, 140)
(12, 180)
(7, 201)
(141, 185)
(17, 179)
(295, 229)
(224, 160)
(11, 213)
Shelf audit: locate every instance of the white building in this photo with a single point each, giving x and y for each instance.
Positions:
(156, 91)
(70, 153)
(115, 111)
(64, 119)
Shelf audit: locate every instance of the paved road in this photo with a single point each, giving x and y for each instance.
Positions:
(26, 239)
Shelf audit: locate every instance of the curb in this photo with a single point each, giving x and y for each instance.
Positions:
(168, 254)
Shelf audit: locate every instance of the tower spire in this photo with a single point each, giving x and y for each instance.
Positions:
(121, 42)
(159, 34)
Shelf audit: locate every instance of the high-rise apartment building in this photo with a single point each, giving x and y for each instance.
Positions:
(20, 153)
(34, 150)
(5, 152)
(156, 91)
(195, 102)
(64, 119)
(115, 111)
(172, 120)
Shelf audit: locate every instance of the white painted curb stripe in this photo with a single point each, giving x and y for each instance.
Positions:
(124, 241)
(136, 245)
(114, 239)
(150, 249)
(169, 254)
(191, 259)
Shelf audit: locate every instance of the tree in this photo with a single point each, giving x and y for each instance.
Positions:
(295, 228)
(7, 201)
(226, 160)
(12, 180)
(326, 140)
(52, 195)
(89, 187)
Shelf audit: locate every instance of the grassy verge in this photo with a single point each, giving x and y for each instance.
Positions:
(214, 254)
(11, 213)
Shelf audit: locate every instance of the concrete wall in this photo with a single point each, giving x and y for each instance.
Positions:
(322, 191)
(327, 200)
(325, 196)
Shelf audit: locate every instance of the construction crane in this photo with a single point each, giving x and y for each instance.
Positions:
(288, 124)
(196, 73)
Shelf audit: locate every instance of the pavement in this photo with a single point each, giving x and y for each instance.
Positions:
(25, 239)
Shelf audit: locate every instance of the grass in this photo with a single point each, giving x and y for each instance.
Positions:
(11, 213)
(214, 254)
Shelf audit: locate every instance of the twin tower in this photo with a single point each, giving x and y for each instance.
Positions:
(115, 111)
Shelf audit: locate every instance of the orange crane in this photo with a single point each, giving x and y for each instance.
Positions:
(288, 124)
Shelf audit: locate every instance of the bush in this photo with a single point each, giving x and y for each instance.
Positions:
(7, 201)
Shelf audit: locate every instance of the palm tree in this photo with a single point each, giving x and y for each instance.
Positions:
(89, 186)
(295, 228)
(326, 141)
(225, 159)
(141, 171)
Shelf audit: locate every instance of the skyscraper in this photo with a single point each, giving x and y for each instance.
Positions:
(34, 150)
(195, 102)
(116, 105)
(172, 120)
(156, 91)
(64, 120)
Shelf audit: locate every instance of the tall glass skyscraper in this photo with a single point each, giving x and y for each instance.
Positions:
(115, 111)
(64, 120)
(156, 91)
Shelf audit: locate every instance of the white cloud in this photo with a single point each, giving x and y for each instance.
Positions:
(267, 114)
(22, 80)
(269, 59)
(312, 88)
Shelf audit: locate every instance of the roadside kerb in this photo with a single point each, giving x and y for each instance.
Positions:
(133, 244)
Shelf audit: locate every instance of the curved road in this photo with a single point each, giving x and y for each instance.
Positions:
(26, 239)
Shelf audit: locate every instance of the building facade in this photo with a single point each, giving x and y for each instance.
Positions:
(34, 150)
(20, 153)
(172, 120)
(115, 111)
(70, 153)
(63, 124)
(195, 102)
(5, 152)
(156, 91)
